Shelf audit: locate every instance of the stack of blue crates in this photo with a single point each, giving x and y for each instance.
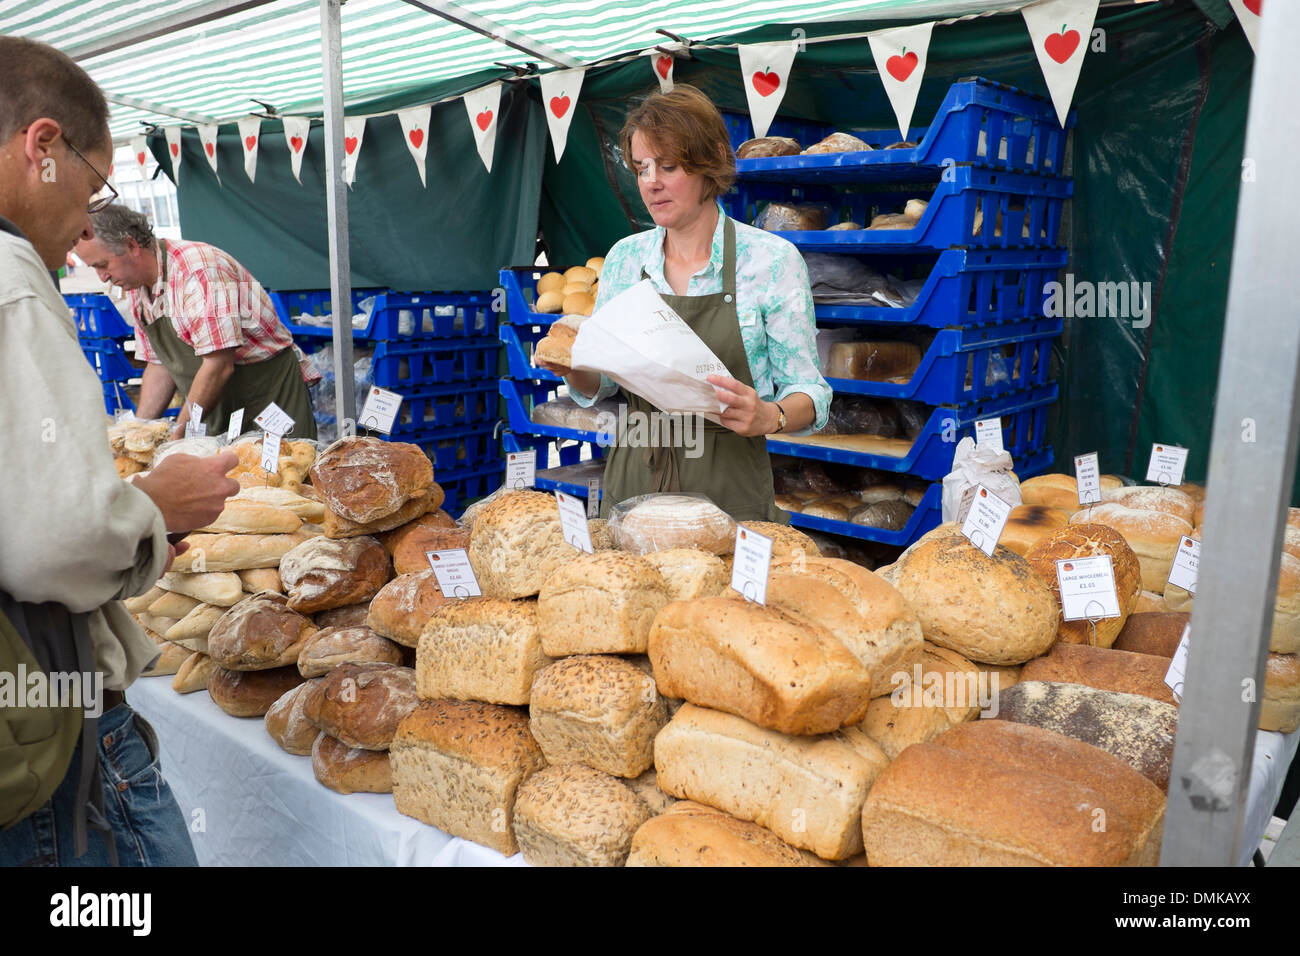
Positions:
(439, 351)
(102, 333)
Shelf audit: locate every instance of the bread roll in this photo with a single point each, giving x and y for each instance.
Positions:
(480, 649)
(689, 573)
(288, 724)
(580, 274)
(773, 668)
(1153, 536)
(601, 603)
(222, 588)
(259, 633)
(173, 605)
(250, 693)
(337, 526)
(326, 649)
(557, 345)
(296, 458)
(691, 834)
(580, 303)
(1157, 633)
(457, 766)
(1280, 708)
(401, 608)
(1027, 525)
(675, 521)
(571, 815)
(992, 610)
(234, 552)
(193, 674)
(362, 704)
(261, 579)
(242, 516)
(807, 790)
(517, 544)
(323, 573)
(350, 770)
(1146, 498)
(348, 616)
(1122, 671)
(1083, 541)
(950, 690)
(169, 661)
(551, 302)
(550, 282)
(365, 479)
(1051, 491)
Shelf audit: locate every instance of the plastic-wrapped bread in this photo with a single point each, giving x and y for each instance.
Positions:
(765, 146)
(661, 521)
(873, 361)
(892, 515)
(783, 217)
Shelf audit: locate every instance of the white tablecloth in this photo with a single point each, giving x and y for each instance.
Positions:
(1273, 755)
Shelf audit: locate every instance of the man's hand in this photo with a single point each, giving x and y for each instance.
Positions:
(745, 414)
(191, 492)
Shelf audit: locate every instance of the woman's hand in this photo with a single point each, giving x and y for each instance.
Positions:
(561, 370)
(746, 414)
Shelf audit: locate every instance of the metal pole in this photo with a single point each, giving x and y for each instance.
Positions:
(336, 205)
(1252, 466)
(455, 13)
(161, 26)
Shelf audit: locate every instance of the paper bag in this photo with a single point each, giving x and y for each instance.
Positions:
(975, 465)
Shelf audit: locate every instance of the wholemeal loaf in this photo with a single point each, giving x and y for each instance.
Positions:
(940, 691)
(330, 647)
(347, 769)
(1105, 669)
(1027, 525)
(259, 633)
(692, 834)
(362, 704)
(771, 667)
(458, 764)
(261, 579)
(250, 693)
(517, 544)
(787, 542)
(402, 607)
(1153, 536)
(689, 573)
(1084, 541)
(365, 479)
(599, 711)
(666, 521)
(235, 552)
(572, 815)
(194, 674)
(287, 722)
(601, 603)
(807, 790)
(1280, 708)
(323, 573)
(1155, 632)
(222, 588)
(480, 649)
(994, 610)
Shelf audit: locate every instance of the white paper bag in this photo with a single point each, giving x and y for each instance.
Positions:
(975, 465)
(640, 342)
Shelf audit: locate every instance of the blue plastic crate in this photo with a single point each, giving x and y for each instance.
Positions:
(522, 397)
(116, 398)
(969, 207)
(396, 316)
(463, 485)
(962, 287)
(445, 406)
(109, 361)
(979, 121)
(519, 342)
(928, 515)
(97, 317)
(520, 286)
(566, 451)
(453, 449)
(972, 364)
(433, 362)
(1024, 433)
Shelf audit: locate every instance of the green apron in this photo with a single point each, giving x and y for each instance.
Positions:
(250, 387)
(734, 471)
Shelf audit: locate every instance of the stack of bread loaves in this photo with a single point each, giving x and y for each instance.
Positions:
(296, 458)
(369, 486)
(573, 291)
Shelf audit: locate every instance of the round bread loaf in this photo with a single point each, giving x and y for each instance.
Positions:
(251, 693)
(434, 519)
(1153, 536)
(1280, 708)
(1052, 491)
(674, 521)
(580, 303)
(992, 610)
(323, 573)
(550, 282)
(571, 815)
(597, 265)
(690, 573)
(346, 769)
(601, 603)
(581, 274)
(411, 552)
(1145, 498)
(551, 302)
(571, 288)
(405, 604)
(517, 543)
(348, 616)
(287, 722)
(362, 704)
(259, 633)
(327, 649)
(365, 479)
(1029, 524)
(1084, 541)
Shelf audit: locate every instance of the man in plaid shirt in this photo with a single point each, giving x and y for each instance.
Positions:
(203, 324)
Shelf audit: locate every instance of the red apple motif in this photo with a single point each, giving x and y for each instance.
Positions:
(417, 137)
(139, 158)
(1061, 46)
(901, 67)
(209, 148)
(662, 65)
(484, 120)
(350, 145)
(559, 106)
(1254, 6)
(250, 142)
(296, 143)
(765, 84)
(176, 149)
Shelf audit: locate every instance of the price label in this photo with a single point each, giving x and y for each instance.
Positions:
(753, 559)
(123, 415)
(573, 522)
(1167, 464)
(988, 431)
(985, 520)
(1187, 564)
(1087, 474)
(274, 419)
(593, 498)
(1176, 676)
(236, 424)
(521, 469)
(1087, 588)
(195, 429)
(380, 411)
(196, 412)
(271, 452)
(454, 573)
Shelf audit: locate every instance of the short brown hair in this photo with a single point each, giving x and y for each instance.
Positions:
(37, 80)
(688, 129)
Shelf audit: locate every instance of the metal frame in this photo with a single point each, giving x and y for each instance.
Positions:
(1252, 466)
(458, 15)
(161, 26)
(153, 107)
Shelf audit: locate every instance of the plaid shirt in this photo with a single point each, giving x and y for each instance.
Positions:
(215, 303)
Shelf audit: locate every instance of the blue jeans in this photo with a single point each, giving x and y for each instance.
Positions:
(147, 825)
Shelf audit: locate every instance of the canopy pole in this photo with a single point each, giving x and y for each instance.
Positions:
(161, 26)
(1252, 465)
(336, 206)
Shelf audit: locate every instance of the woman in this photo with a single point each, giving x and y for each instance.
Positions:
(743, 291)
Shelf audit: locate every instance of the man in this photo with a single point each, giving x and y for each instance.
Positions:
(74, 538)
(204, 325)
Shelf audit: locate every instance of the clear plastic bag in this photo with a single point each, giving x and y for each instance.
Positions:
(658, 522)
(782, 217)
(204, 447)
(974, 465)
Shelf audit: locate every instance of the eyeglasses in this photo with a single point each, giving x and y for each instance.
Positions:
(102, 202)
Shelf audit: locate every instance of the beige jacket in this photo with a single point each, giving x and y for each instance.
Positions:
(71, 530)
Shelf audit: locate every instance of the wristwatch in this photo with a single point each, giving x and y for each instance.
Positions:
(780, 425)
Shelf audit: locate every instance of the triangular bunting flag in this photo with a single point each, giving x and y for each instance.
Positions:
(354, 130)
(483, 105)
(173, 134)
(560, 100)
(415, 130)
(1060, 31)
(140, 150)
(1249, 12)
(900, 57)
(295, 137)
(765, 71)
(250, 131)
(208, 140)
(662, 64)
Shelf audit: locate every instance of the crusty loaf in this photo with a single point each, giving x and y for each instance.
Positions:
(402, 607)
(235, 552)
(413, 542)
(950, 690)
(242, 516)
(1148, 498)
(287, 722)
(675, 521)
(776, 669)
(1104, 669)
(787, 542)
(807, 790)
(480, 649)
(193, 629)
(601, 603)
(170, 658)
(339, 526)
(689, 573)
(457, 766)
(1027, 525)
(691, 834)
(571, 815)
(1280, 708)
(1153, 632)
(1153, 536)
(1150, 602)
(222, 588)
(330, 647)
(347, 769)
(173, 604)
(261, 579)
(517, 543)
(193, 674)
(323, 573)
(142, 602)
(1084, 541)
(365, 479)
(250, 693)
(433, 520)
(349, 616)
(259, 633)
(308, 509)
(362, 704)
(1052, 491)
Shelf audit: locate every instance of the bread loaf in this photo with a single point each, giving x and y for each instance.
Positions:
(1156, 632)
(305, 508)
(1280, 708)
(599, 711)
(1150, 602)
(326, 649)
(674, 521)
(1084, 541)
(235, 552)
(874, 361)
(773, 668)
(170, 658)
(410, 544)
(242, 516)
(765, 146)
(222, 588)
(1051, 491)
(1153, 536)
(992, 610)
(571, 815)
(1138, 730)
(691, 834)
(1146, 498)
(346, 769)
(337, 526)
(787, 542)
(142, 602)
(287, 723)
(173, 605)
(940, 691)
(807, 790)
(556, 346)
(348, 616)
(646, 787)
(480, 649)
(517, 544)
(689, 573)
(1027, 525)
(365, 479)
(601, 603)
(838, 143)
(362, 704)
(296, 458)
(250, 693)
(193, 629)
(193, 674)
(1104, 669)
(261, 579)
(457, 766)
(259, 633)
(323, 573)
(402, 607)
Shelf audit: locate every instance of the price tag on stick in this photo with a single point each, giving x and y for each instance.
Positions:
(1187, 564)
(380, 410)
(988, 431)
(985, 520)
(270, 453)
(521, 469)
(1087, 588)
(1087, 475)
(454, 573)
(753, 559)
(1167, 464)
(236, 424)
(195, 429)
(593, 498)
(1177, 673)
(274, 419)
(573, 522)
